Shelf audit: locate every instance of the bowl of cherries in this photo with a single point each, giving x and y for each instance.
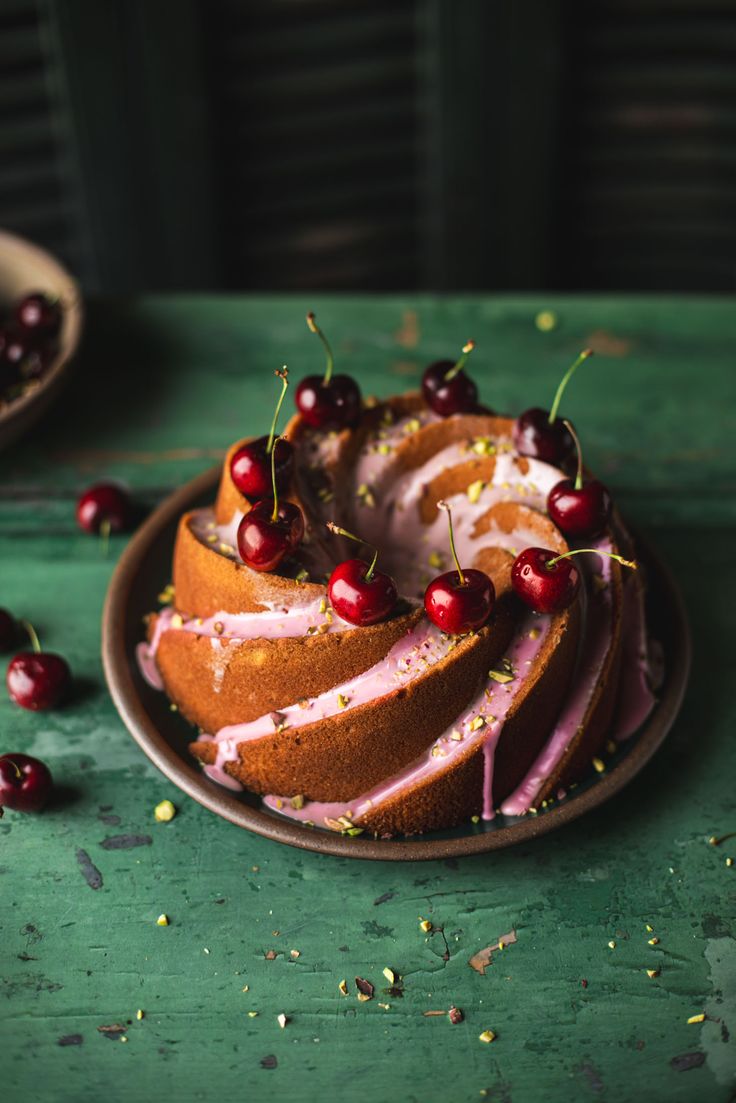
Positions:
(40, 325)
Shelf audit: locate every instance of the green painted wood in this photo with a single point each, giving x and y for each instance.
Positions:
(162, 385)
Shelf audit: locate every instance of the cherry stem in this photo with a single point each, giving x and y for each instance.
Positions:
(283, 375)
(105, 534)
(565, 380)
(358, 540)
(28, 627)
(275, 514)
(460, 364)
(448, 511)
(593, 551)
(578, 449)
(314, 328)
(16, 767)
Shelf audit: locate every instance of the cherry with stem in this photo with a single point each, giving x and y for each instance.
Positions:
(330, 401)
(540, 433)
(579, 508)
(447, 389)
(461, 600)
(250, 466)
(549, 583)
(271, 530)
(37, 679)
(359, 593)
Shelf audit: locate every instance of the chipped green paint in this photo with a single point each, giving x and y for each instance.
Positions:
(163, 386)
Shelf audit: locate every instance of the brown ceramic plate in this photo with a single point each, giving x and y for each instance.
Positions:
(144, 570)
(24, 268)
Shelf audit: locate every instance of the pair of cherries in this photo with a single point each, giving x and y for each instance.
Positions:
(26, 342)
(271, 529)
(458, 601)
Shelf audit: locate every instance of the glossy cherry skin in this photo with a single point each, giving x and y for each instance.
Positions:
(534, 436)
(250, 467)
(37, 680)
(456, 607)
(545, 589)
(262, 542)
(446, 397)
(359, 601)
(583, 512)
(38, 315)
(104, 502)
(8, 630)
(333, 405)
(25, 783)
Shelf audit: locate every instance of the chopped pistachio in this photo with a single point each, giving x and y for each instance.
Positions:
(164, 811)
(139, 1014)
(425, 925)
(476, 723)
(653, 941)
(389, 975)
(252, 1014)
(650, 928)
(729, 862)
(652, 973)
(534, 634)
(545, 321)
(343, 987)
(295, 954)
(384, 449)
(282, 1020)
(163, 920)
(475, 490)
(456, 735)
(611, 945)
(413, 425)
(297, 802)
(487, 1036)
(364, 997)
(342, 701)
(177, 620)
(599, 765)
(436, 560)
(700, 1018)
(500, 676)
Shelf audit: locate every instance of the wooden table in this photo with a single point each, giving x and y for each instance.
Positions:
(163, 386)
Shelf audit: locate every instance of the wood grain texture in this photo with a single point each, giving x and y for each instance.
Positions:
(164, 384)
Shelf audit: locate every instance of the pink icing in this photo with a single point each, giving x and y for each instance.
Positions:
(492, 705)
(635, 699)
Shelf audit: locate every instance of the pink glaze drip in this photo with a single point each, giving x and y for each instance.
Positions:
(492, 704)
(635, 699)
(420, 649)
(216, 773)
(147, 665)
(595, 645)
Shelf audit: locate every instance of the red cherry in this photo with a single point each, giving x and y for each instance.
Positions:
(460, 603)
(37, 679)
(104, 504)
(579, 508)
(447, 389)
(250, 467)
(38, 315)
(328, 401)
(358, 592)
(8, 630)
(535, 436)
(460, 600)
(579, 511)
(543, 581)
(357, 598)
(265, 537)
(25, 783)
(540, 434)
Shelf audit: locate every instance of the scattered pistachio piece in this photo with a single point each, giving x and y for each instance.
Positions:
(295, 953)
(599, 765)
(425, 925)
(487, 1036)
(389, 975)
(653, 941)
(652, 973)
(139, 1014)
(699, 1018)
(282, 1020)
(342, 701)
(611, 945)
(297, 802)
(164, 811)
(343, 987)
(163, 920)
(475, 490)
(252, 1014)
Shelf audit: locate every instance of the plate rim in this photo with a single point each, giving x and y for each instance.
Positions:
(190, 780)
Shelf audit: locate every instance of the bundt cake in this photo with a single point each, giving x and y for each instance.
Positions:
(381, 716)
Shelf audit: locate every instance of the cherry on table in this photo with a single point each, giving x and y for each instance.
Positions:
(8, 630)
(359, 593)
(580, 507)
(447, 389)
(104, 507)
(250, 466)
(37, 679)
(329, 401)
(25, 783)
(540, 433)
(38, 315)
(461, 600)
